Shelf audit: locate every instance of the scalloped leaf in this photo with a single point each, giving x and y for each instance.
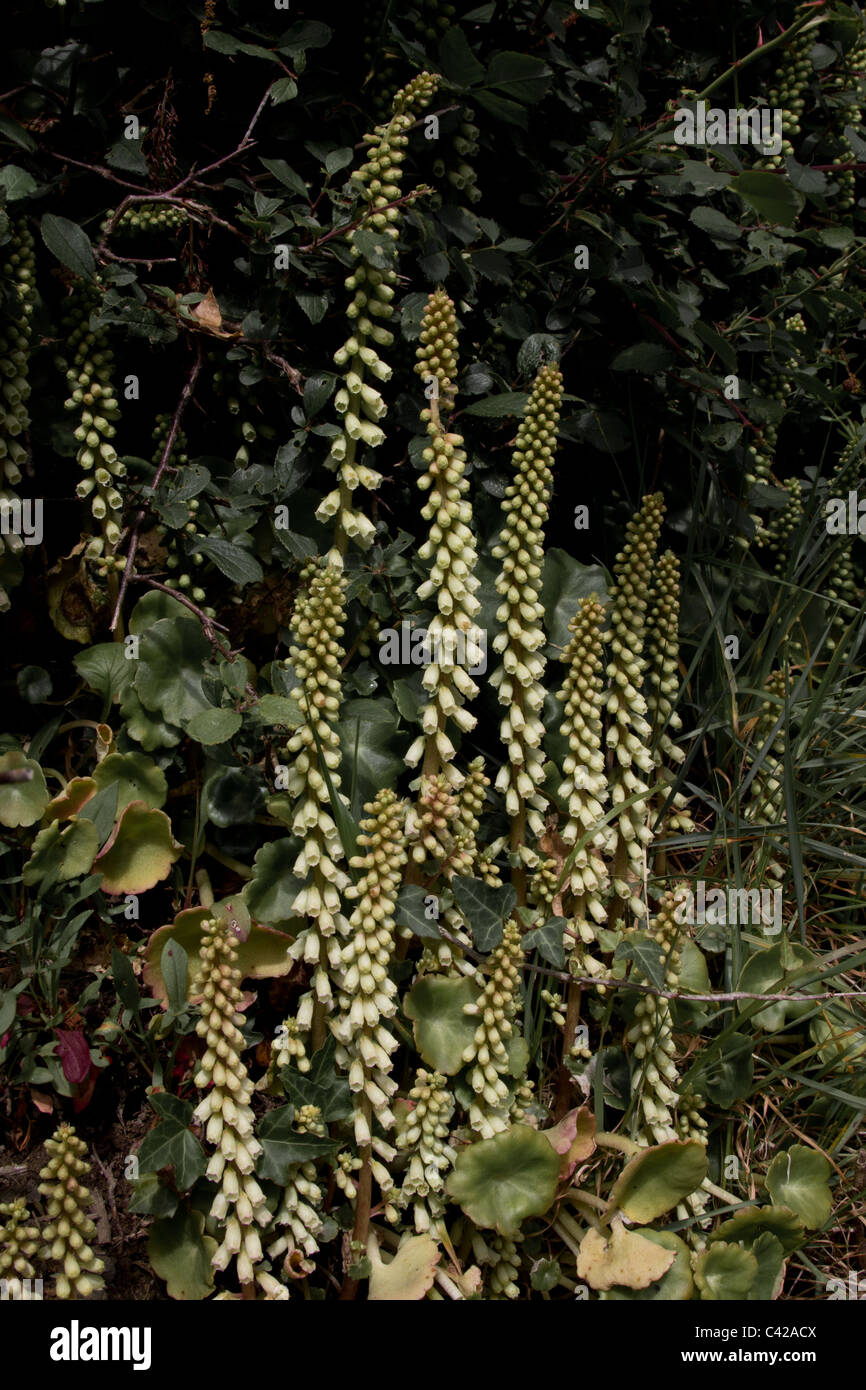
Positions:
(573, 1138)
(655, 1180)
(750, 1222)
(676, 1284)
(263, 956)
(797, 1179)
(77, 792)
(725, 1272)
(273, 887)
(408, 1276)
(502, 1181)
(22, 803)
(442, 1030)
(173, 658)
(65, 853)
(137, 778)
(624, 1257)
(139, 852)
(768, 1251)
(765, 973)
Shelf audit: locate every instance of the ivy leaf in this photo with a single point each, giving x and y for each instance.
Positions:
(484, 908)
(647, 954)
(69, 243)
(411, 912)
(320, 1085)
(547, 941)
(172, 1143)
(283, 1146)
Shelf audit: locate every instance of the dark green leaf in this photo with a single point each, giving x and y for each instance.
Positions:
(484, 908)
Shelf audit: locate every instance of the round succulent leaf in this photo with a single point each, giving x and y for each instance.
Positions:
(22, 803)
(144, 726)
(766, 973)
(797, 1179)
(655, 1180)
(750, 1222)
(65, 853)
(153, 607)
(172, 658)
(181, 1254)
(263, 956)
(621, 1257)
(502, 1181)
(137, 778)
(573, 1138)
(273, 887)
(77, 792)
(408, 1276)
(676, 1284)
(767, 1250)
(139, 852)
(725, 1272)
(442, 1030)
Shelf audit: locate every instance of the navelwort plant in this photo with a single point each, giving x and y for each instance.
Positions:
(483, 1053)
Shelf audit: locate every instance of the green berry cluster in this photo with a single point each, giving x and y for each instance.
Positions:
(92, 397)
(357, 401)
(450, 545)
(19, 1239)
(518, 680)
(315, 656)
(146, 218)
(663, 677)
(19, 292)
(651, 1038)
(66, 1237)
(792, 79)
(367, 994)
(584, 788)
(487, 1055)
(629, 732)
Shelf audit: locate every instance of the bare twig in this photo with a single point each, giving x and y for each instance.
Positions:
(185, 397)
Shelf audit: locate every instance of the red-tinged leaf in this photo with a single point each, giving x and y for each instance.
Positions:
(74, 1055)
(44, 1104)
